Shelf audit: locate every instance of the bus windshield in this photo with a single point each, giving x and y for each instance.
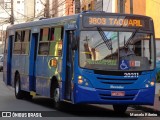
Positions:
(113, 50)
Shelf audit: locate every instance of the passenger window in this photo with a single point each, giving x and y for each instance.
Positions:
(17, 43)
(6, 43)
(21, 44)
(52, 34)
(44, 34)
(44, 41)
(18, 36)
(25, 42)
(55, 46)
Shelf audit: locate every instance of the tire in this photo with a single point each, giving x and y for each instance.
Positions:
(55, 95)
(120, 108)
(19, 94)
(1, 69)
(28, 96)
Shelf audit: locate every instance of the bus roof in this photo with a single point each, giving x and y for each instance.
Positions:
(43, 22)
(67, 18)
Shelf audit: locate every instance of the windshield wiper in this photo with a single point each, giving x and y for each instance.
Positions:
(107, 41)
(130, 39)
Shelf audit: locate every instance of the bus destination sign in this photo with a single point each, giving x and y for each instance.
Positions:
(113, 21)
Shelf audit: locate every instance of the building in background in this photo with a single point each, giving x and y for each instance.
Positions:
(153, 10)
(139, 7)
(35, 9)
(98, 5)
(23, 10)
(61, 8)
(105, 5)
(29, 10)
(65, 7)
(54, 5)
(18, 6)
(69, 7)
(4, 20)
(144, 7)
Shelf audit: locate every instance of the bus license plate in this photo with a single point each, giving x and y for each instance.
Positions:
(117, 93)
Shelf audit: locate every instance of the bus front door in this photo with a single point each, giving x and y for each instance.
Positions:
(69, 66)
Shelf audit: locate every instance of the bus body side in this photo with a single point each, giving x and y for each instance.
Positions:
(37, 68)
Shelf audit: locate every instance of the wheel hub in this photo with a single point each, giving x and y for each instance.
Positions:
(56, 95)
(17, 87)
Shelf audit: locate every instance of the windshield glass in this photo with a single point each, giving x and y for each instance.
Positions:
(110, 50)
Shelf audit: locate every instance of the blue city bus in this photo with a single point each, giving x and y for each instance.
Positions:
(87, 58)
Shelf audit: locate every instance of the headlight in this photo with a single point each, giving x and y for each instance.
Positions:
(146, 85)
(83, 81)
(150, 83)
(80, 80)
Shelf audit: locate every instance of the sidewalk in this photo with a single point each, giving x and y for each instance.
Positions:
(156, 107)
(148, 108)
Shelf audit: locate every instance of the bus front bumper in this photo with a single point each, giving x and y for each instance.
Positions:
(100, 96)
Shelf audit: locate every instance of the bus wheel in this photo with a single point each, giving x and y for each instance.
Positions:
(18, 91)
(56, 98)
(28, 96)
(55, 95)
(120, 108)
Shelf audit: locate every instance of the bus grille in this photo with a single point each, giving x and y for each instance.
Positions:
(116, 80)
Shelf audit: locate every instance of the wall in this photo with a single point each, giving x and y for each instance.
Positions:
(153, 10)
(139, 7)
(29, 9)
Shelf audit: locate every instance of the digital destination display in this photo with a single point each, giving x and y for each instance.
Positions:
(114, 21)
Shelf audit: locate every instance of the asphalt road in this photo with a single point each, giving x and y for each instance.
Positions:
(157, 88)
(43, 105)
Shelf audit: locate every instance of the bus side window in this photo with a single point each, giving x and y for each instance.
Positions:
(18, 36)
(6, 43)
(44, 41)
(25, 41)
(52, 34)
(55, 47)
(17, 43)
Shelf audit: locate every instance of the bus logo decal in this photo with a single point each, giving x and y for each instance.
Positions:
(117, 87)
(52, 63)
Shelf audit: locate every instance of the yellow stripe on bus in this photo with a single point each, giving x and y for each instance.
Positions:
(33, 93)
